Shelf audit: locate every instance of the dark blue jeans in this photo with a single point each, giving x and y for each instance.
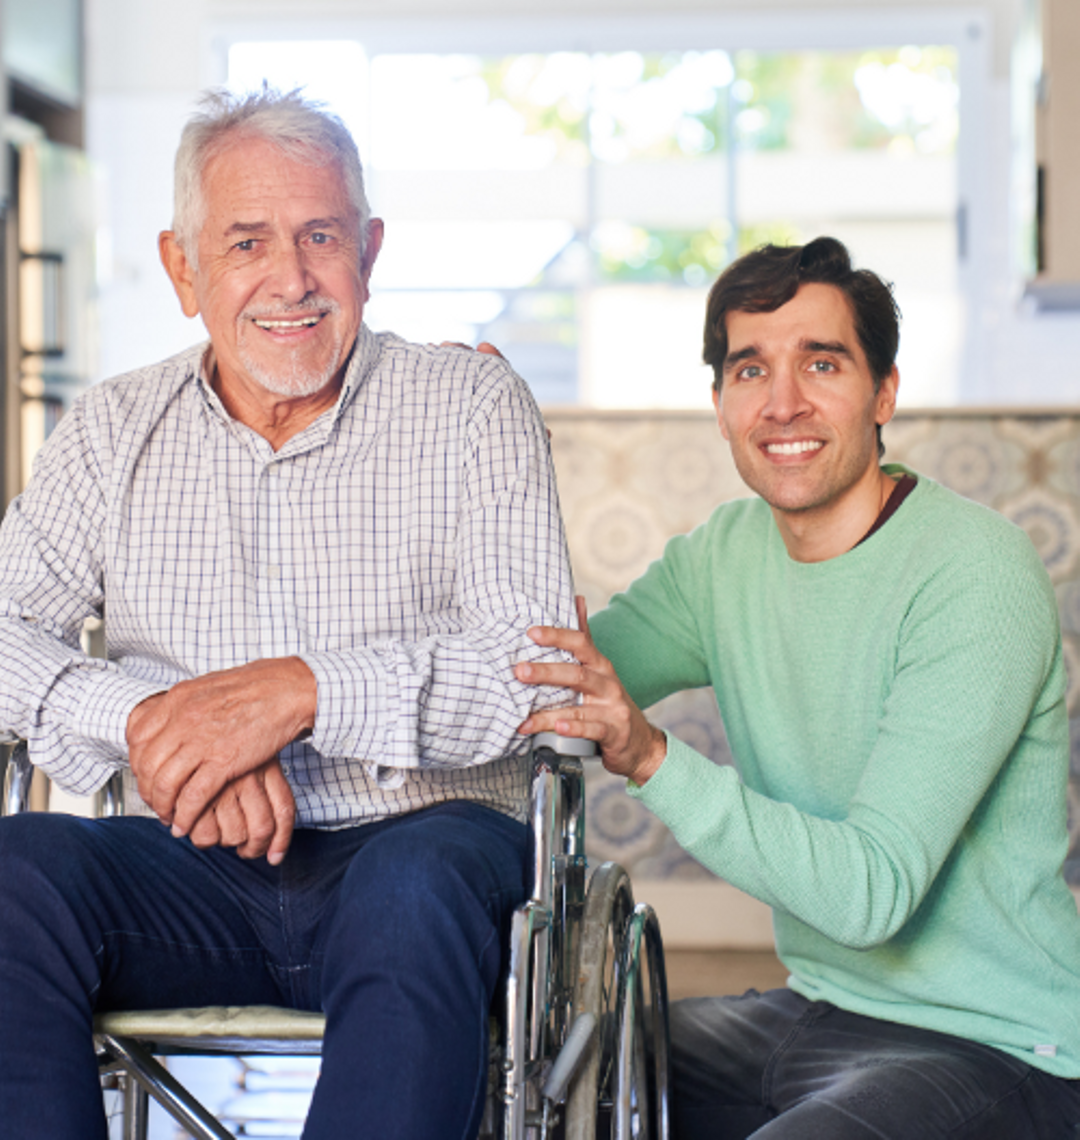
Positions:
(397, 929)
(778, 1067)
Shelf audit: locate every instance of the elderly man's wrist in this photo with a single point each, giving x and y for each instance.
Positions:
(141, 710)
(306, 694)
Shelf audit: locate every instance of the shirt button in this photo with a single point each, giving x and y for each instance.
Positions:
(273, 572)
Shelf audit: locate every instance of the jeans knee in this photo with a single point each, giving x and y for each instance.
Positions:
(49, 929)
(403, 886)
(438, 880)
(438, 859)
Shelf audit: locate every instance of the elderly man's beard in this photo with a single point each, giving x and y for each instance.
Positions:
(291, 372)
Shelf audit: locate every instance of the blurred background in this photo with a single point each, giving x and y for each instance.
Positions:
(567, 179)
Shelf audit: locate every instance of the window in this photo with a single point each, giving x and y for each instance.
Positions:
(573, 207)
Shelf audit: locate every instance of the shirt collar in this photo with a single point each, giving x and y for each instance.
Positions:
(365, 353)
(362, 360)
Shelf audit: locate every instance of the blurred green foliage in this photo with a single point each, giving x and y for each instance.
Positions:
(679, 106)
(634, 253)
(654, 106)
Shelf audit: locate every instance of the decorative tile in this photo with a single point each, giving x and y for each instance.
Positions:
(1066, 471)
(1034, 433)
(695, 719)
(902, 435)
(1071, 646)
(616, 539)
(1052, 527)
(969, 459)
(1068, 595)
(621, 828)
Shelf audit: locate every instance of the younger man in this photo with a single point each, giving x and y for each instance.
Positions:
(888, 664)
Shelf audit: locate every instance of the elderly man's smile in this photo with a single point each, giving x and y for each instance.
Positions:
(290, 325)
(280, 325)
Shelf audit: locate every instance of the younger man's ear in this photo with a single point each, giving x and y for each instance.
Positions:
(886, 397)
(180, 272)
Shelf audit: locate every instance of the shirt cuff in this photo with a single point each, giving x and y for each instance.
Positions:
(105, 700)
(353, 701)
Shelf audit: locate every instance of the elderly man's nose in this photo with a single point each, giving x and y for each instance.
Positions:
(290, 277)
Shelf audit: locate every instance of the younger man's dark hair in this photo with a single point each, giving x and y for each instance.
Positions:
(768, 277)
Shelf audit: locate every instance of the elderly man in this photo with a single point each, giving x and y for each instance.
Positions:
(888, 664)
(319, 550)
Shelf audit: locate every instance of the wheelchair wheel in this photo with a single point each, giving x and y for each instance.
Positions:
(640, 1088)
(620, 1089)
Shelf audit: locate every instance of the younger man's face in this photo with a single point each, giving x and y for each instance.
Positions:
(798, 405)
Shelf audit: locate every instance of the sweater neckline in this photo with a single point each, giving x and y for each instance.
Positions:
(854, 557)
(905, 484)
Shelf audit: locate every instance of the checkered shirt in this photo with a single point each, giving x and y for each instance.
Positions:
(400, 545)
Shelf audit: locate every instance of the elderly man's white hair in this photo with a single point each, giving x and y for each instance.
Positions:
(297, 126)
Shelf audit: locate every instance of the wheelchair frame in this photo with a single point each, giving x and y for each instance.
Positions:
(582, 1051)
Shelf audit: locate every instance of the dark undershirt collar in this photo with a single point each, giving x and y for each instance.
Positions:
(905, 484)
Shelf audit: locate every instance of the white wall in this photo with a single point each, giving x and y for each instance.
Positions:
(147, 60)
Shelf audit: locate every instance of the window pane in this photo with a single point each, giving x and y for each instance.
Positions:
(574, 208)
(861, 145)
(333, 72)
(480, 167)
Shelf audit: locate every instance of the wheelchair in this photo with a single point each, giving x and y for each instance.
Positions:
(579, 1047)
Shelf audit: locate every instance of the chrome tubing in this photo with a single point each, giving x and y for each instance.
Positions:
(140, 1063)
(544, 814)
(641, 926)
(18, 776)
(526, 920)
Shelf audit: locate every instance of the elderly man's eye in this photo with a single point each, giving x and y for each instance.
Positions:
(245, 246)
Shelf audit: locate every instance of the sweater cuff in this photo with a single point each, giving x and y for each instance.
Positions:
(683, 792)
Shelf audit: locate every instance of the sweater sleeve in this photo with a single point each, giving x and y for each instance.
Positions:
(978, 668)
(651, 632)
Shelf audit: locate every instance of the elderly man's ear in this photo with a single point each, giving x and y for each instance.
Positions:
(180, 272)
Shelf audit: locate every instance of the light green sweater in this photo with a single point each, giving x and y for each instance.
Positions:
(897, 719)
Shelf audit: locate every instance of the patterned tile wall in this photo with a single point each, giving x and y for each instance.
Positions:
(629, 481)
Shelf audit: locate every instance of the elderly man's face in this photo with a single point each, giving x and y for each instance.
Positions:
(280, 284)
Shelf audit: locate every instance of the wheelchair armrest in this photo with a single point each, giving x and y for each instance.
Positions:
(564, 745)
(18, 772)
(556, 811)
